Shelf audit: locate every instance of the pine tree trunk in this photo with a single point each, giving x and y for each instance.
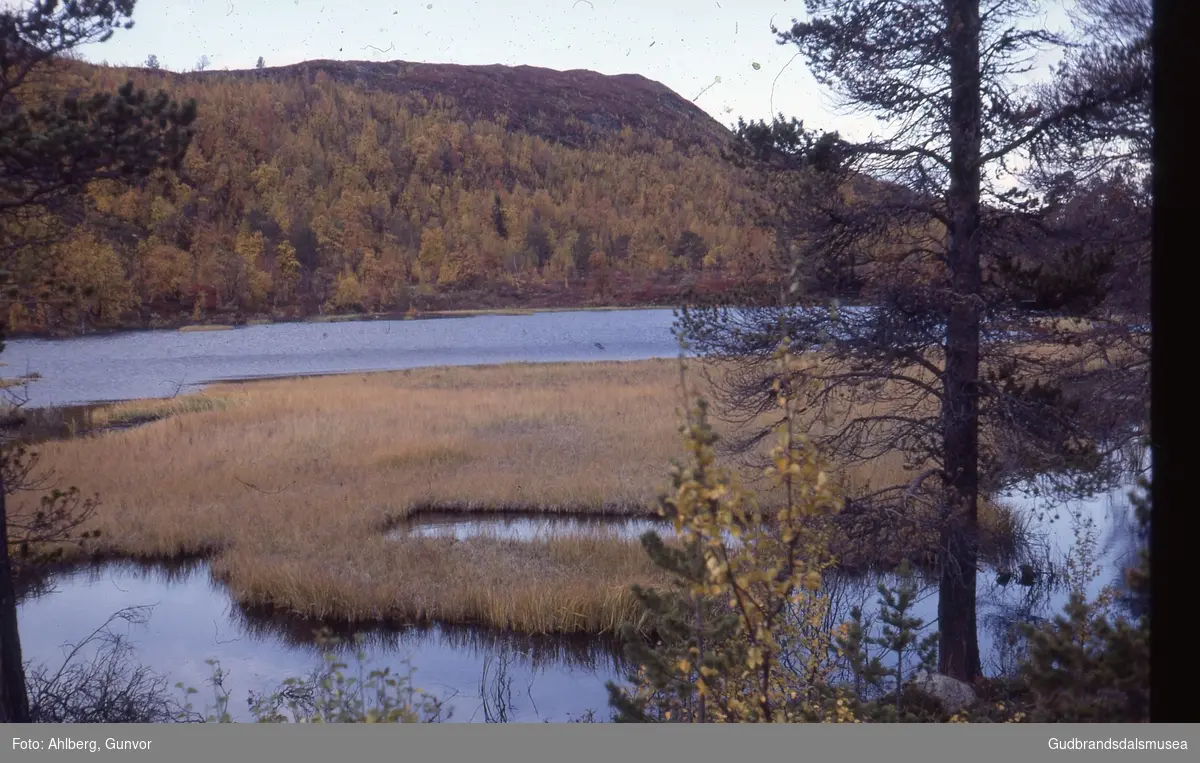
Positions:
(698, 621)
(958, 653)
(14, 702)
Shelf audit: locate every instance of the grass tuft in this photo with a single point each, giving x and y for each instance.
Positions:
(292, 482)
(206, 327)
(133, 412)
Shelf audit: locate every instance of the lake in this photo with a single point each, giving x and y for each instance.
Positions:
(541, 678)
(194, 618)
(526, 527)
(143, 364)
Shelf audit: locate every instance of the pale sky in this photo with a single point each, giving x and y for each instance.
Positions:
(688, 45)
(685, 44)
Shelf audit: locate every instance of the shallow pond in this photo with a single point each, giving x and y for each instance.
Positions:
(526, 526)
(194, 619)
(143, 364)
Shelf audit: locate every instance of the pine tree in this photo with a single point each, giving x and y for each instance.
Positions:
(914, 222)
(900, 633)
(1091, 662)
(690, 632)
(692, 249)
(498, 217)
(581, 251)
(49, 152)
(693, 632)
(1089, 665)
(854, 646)
(899, 636)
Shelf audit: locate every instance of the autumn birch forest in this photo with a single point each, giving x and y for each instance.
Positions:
(335, 187)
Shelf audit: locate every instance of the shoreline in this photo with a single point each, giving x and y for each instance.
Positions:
(230, 321)
(208, 324)
(290, 486)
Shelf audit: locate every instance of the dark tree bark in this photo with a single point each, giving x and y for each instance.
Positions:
(36, 535)
(948, 365)
(959, 649)
(14, 702)
(49, 152)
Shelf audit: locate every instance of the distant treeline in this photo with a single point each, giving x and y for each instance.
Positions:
(306, 194)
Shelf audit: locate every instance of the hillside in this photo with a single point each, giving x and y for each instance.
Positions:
(349, 186)
(574, 108)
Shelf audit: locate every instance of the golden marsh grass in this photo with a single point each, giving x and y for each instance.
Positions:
(291, 483)
(206, 327)
(140, 411)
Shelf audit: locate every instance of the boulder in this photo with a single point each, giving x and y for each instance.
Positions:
(954, 695)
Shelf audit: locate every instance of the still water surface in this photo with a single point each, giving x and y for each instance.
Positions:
(194, 619)
(161, 363)
(526, 527)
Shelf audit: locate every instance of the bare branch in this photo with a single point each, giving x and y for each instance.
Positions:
(265, 492)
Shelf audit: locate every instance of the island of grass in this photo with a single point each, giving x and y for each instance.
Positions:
(290, 486)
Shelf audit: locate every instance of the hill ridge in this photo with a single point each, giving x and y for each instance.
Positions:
(604, 103)
(344, 187)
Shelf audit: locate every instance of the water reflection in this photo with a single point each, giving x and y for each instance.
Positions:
(193, 620)
(539, 652)
(487, 674)
(33, 583)
(526, 527)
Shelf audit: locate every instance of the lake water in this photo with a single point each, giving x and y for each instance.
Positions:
(194, 618)
(161, 363)
(140, 364)
(526, 527)
(1051, 539)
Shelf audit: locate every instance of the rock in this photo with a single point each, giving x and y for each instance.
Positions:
(954, 695)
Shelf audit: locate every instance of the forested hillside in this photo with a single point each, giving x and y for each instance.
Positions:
(333, 187)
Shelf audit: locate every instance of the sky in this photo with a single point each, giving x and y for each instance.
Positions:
(705, 50)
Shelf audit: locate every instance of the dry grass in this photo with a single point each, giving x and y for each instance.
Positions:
(132, 412)
(481, 312)
(206, 327)
(342, 318)
(292, 482)
(548, 585)
(9, 382)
